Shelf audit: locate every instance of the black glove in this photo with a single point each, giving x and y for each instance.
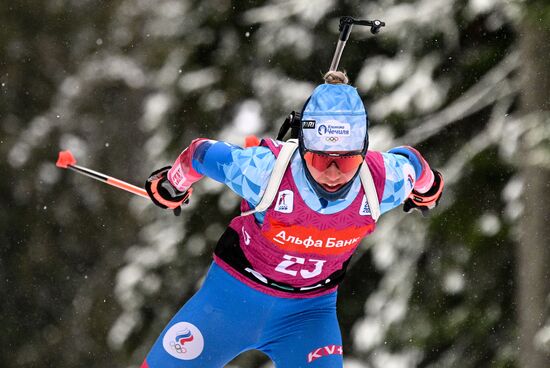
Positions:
(425, 201)
(163, 193)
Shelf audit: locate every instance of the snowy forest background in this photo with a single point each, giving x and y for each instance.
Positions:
(89, 275)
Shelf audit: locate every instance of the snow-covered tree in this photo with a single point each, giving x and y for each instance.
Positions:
(92, 275)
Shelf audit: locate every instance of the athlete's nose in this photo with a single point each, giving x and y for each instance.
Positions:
(333, 173)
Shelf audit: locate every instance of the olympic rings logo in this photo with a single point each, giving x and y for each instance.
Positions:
(332, 139)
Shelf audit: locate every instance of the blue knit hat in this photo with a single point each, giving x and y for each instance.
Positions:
(334, 119)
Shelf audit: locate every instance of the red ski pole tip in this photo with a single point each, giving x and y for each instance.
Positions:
(65, 159)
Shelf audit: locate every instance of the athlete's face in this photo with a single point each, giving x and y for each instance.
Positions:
(332, 178)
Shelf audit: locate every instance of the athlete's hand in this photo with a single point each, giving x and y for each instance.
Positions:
(163, 193)
(425, 201)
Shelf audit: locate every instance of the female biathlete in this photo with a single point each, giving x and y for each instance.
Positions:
(307, 203)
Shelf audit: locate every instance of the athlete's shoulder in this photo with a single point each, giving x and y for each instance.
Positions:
(375, 160)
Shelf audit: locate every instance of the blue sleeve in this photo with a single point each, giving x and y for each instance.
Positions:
(414, 157)
(400, 178)
(245, 171)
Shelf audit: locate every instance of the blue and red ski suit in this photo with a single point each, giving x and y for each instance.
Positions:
(273, 283)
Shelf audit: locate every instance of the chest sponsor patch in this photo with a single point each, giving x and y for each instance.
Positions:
(310, 240)
(285, 201)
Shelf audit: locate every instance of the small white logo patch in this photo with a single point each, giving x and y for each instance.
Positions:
(285, 201)
(364, 209)
(246, 236)
(308, 124)
(183, 341)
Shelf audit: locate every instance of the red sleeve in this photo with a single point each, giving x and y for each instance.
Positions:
(182, 175)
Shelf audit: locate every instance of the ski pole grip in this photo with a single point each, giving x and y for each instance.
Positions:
(346, 23)
(345, 32)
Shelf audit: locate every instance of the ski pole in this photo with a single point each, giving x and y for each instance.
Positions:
(66, 160)
(346, 23)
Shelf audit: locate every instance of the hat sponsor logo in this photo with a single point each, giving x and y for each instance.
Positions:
(308, 124)
(333, 128)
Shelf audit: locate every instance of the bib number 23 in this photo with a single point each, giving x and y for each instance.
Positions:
(304, 268)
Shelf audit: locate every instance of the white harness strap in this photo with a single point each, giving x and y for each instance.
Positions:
(289, 147)
(370, 191)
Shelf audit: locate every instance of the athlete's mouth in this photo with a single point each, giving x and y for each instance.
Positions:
(332, 187)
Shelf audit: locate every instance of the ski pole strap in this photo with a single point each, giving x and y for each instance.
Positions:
(281, 165)
(289, 147)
